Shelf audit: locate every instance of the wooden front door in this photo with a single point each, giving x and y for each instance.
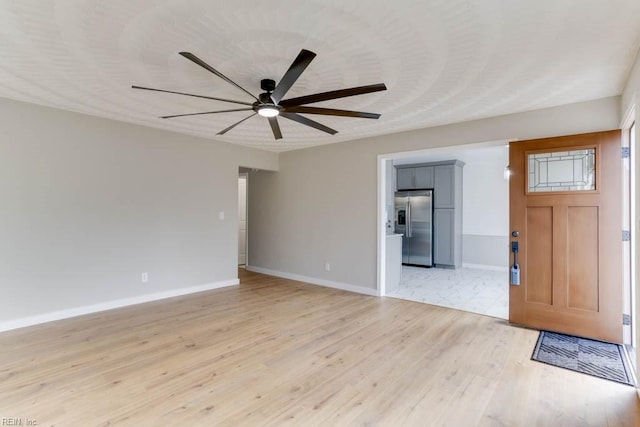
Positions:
(565, 203)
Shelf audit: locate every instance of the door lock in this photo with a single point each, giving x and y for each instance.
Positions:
(515, 268)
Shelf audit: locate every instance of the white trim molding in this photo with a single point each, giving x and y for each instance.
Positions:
(315, 281)
(110, 305)
(485, 267)
(629, 116)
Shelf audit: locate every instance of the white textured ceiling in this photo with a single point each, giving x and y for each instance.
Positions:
(443, 61)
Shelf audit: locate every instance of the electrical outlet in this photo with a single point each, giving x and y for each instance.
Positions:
(144, 277)
(221, 215)
(327, 266)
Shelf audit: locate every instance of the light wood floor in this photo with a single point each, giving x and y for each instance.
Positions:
(279, 352)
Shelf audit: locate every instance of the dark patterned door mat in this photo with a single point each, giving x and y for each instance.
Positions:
(596, 358)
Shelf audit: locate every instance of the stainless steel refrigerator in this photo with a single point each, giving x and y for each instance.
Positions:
(414, 220)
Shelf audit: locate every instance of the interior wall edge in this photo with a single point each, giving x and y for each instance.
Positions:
(632, 86)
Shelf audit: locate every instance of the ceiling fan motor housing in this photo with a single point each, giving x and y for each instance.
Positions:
(267, 85)
(265, 98)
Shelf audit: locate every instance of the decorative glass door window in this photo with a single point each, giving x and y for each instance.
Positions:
(573, 170)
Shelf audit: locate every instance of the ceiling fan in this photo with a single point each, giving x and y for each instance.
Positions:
(270, 104)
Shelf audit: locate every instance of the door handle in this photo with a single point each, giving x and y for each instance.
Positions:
(515, 267)
(408, 218)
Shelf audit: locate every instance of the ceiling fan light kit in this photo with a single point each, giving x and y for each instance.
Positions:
(270, 103)
(268, 110)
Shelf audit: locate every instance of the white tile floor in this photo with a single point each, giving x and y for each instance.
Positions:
(478, 291)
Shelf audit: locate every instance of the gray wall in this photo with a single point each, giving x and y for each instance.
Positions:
(89, 204)
(322, 204)
(485, 207)
(485, 250)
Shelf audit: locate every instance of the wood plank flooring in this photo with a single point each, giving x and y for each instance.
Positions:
(274, 352)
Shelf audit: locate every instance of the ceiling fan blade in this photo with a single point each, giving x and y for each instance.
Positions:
(191, 57)
(305, 121)
(190, 94)
(275, 127)
(206, 112)
(299, 64)
(222, 132)
(331, 112)
(334, 94)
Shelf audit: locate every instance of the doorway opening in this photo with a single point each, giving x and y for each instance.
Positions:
(478, 280)
(243, 180)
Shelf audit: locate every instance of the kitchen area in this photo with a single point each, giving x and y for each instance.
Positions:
(424, 241)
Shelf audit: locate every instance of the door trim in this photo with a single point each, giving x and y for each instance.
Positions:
(245, 176)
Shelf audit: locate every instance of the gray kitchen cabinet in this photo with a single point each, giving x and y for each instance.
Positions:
(447, 230)
(414, 178)
(443, 236)
(448, 185)
(445, 178)
(447, 203)
(405, 179)
(444, 189)
(423, 177)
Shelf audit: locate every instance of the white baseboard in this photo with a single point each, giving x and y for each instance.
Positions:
(315, 281)
(485, 267)
(109, 305)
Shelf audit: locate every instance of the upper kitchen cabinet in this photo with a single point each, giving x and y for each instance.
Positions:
(414, 177)
(447, 192)
(424, 177)
(405, 178)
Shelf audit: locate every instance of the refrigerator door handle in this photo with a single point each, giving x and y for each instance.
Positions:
(408, 217)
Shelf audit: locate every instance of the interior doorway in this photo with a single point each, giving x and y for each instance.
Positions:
(243, 180)
(480, 283)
